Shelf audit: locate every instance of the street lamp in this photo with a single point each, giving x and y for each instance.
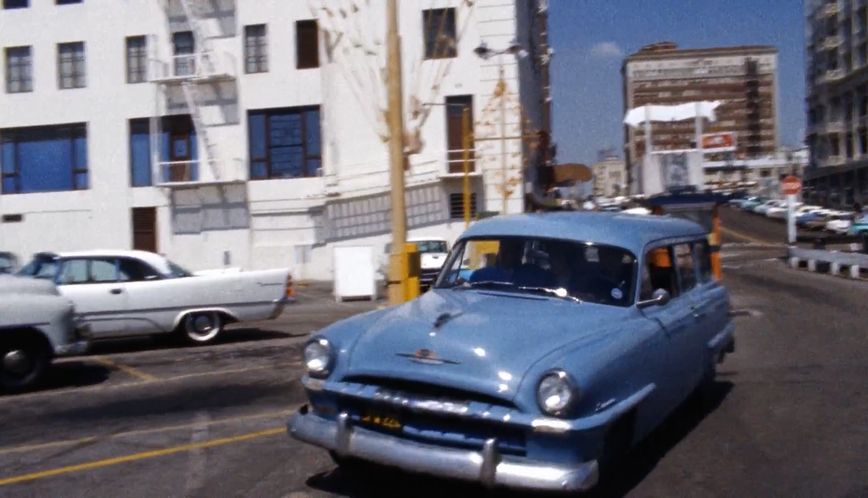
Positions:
(485, 52)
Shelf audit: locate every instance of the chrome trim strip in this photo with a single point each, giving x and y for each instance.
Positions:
(721, 338)
(486, 466)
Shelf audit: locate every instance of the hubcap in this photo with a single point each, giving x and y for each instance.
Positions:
(202, 324)
(16, 361)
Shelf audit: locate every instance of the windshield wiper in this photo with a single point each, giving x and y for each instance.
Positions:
(561, 292)
(486, 283)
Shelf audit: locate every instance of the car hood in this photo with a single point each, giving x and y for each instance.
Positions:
(432, 260)
(12, 284)
(474, 340)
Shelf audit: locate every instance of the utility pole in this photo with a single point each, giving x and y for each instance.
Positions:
(397, 265)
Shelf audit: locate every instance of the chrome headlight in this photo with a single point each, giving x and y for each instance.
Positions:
(556, 392)
(318, 357)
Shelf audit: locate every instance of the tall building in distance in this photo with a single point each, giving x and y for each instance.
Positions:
(837, 101)
(252, 134)
(743, 78)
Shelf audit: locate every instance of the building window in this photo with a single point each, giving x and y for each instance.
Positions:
(183, 47)
(455, 131)
(255, 49)
(137, 59)
(70, 65)
(16, 4)
(306, 44)
(284, 143)
(456, 206)
(44, 159)
(440, 33)
(19, 70)
(179, 158)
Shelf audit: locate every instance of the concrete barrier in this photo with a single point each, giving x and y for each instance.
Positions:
(854, 262)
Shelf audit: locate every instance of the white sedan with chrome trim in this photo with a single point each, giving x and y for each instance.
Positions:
(125, 293)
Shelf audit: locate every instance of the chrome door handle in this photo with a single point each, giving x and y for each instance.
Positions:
(116, 291)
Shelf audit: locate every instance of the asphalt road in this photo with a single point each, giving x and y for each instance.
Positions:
(140, 418)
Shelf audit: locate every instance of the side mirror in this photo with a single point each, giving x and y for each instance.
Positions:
(659, 298)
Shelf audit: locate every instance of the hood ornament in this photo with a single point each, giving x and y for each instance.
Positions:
(427, 357)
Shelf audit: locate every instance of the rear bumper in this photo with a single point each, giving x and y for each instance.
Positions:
(73, 348)
(486, 466)
(279, 305)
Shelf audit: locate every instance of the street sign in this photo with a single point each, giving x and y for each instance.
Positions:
(791, 185)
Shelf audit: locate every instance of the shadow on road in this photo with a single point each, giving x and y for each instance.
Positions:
(72, 374)
(170, 341)
(625, 475)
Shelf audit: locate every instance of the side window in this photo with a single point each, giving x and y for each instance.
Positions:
(658, 273)
(103, 270)
(703, 257)
(131, 270)
(686, 264)
(74, 272)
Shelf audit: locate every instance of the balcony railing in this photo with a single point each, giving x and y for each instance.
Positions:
(832, 42)
(208, 65)
(198, 172)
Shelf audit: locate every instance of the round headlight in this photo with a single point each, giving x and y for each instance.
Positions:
(555, 392)
(317, 357)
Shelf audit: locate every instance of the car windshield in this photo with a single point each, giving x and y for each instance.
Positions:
(427, 246)
(40, 267)
(567, 269)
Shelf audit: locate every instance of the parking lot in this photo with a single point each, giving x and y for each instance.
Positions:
(146, 418)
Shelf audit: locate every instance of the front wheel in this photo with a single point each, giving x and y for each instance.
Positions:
(23, 362)
(203, 327)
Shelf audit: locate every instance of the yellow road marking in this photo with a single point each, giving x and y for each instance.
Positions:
(138, 432)
(740, 235)
(135, 372)
(96, 464)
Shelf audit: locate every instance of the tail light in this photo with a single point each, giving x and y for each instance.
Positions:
(290, 290)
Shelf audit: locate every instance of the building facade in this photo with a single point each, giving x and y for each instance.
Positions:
(759, 176)
(743, 78)
(610, 177)
(837, 101)
(252, 133)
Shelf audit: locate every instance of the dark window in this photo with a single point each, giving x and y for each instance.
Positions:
(686, 264)
(456, 206)
(255, 49)
(137, 59)
(44, 159)
(19, 70)
(284, 143)
(703, 256)
(133, 270)
(183, 48)
(145, 229)
(455, 107)
(658, 273)
(16, 4)
(440, 33)
(67, 2)
(140, 153)
(71, 65)
(306, 44)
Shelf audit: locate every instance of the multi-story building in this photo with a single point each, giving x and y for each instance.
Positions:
(252, 133)
(760, 176)
(743, 78)
(610, 177)
(837, 101)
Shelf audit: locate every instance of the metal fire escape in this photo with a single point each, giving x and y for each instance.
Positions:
(190, 75)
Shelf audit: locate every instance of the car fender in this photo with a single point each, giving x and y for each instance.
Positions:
(223, 311)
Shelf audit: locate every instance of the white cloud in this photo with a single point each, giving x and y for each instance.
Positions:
(607, 50)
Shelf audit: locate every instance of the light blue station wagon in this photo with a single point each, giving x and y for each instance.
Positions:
(549, 344)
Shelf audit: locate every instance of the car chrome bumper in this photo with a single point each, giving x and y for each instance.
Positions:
(73, 348)
(486, 466)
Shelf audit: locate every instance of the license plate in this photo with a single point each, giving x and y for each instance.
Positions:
(385, 421)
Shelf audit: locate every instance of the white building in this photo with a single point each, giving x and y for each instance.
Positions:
(251, 132)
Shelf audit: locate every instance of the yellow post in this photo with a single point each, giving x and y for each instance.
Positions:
(466, 136)
(397, 269)
(413, 269)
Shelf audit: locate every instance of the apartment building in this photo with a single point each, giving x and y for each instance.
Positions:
(251, 133)
(837, 101)
(743, 78)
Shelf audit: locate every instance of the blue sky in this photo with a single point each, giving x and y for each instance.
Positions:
(591, 38)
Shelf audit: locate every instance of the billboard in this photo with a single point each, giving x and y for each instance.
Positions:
(669, 171)
(718, 142)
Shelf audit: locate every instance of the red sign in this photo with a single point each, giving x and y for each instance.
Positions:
(718, 141)
(791, 185)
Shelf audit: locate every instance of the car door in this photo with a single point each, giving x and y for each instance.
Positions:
(712, 306)
(675, 319)
(100, 299)
(694, 351)
(148, 307)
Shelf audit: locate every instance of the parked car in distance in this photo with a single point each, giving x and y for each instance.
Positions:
(839, 222)
(36, 325)
(432, 255)
(750, 204)
(739, 202)
(124, 293)
(8, 262)
(859, 226)
(550, 344)
(813, 220)
(764, 207)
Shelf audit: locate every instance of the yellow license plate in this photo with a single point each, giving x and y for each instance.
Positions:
(385, 421)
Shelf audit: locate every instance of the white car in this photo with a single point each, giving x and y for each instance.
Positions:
(839, 222)
(432, 255)
(124, 293)
(764, 207)
(780, 212)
